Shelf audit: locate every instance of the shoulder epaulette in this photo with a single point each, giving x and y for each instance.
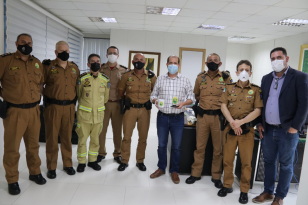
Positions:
(202, 72)
(35, 58)
(46, 62)
(104, 76)
(6, 54)
(83, 74)
(151, 74)
(128, 70)
(123, 67)
(74, 63)
(225, 75)
(255, 85)
(231, 84)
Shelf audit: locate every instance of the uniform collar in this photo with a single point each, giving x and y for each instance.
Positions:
(145, 72)
(219, 73)
(238, 84)
(16, 55)
(106, 65)
(68, 63)
(177, 76)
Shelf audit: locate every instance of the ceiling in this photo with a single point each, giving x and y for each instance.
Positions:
(251, 18)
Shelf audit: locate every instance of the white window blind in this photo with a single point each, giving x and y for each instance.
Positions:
(24, 19)
(45, 32)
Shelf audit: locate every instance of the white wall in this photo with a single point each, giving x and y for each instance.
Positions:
(165, 43)
(1, 51)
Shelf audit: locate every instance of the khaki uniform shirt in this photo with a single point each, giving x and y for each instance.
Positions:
(20, 80)
(60, 83)
(115, 76)
(210, 89)
(137, 89)
(242, 101)
(92, 95)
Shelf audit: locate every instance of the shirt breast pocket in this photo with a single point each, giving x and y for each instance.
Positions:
(74, 80)
(146, 87)
(203, 89)
(15, 76)
(219, 89)
(232, 98)
(55, 79)
(249, 99)
(38, 76)
(131, 87)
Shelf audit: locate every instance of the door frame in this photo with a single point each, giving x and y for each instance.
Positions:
(192, 49)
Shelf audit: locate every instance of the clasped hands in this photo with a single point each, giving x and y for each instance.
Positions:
(236, 126)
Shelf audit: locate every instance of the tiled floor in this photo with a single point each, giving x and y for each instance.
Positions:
(110, 187)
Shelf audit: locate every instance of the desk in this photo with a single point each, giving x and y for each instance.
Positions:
(188, 147)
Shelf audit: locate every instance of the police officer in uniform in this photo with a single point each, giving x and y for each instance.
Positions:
(208, 89)
(59, 112)
(21, 77)
(93, 93)
(138, 85)
(114, 71)
(241, 104)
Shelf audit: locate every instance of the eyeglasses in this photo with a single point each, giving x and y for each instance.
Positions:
(276, 83)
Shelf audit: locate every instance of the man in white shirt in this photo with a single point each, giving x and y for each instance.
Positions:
(171, 93)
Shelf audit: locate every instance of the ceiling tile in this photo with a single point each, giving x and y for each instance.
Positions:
(262, 19)
(128, 8)
(187, 25)
(106, 31)
(75, 18)
(56, 4)
(219, 22)
(299, 4)
(188, 19)
(106, 25)
(168, 3)
(203, 31)
(135, 2)
(196, 13)
(93, 6)
(65, 12)
(205, 5)
(130, 21)
(98, 1)
(229, 16)
(106, 14)
(248, 34)
(227, 33)
(80, 23)
(159, 28)
(243, 8)
(303, 15)
(237, 29)
(126, 15)
(248, 25)
(280, 12)
(158, 23)
(158, 17)
(261, 31)
(180, 29)
(273, 28)
(83, 27)
(258, 2)
(133, 26)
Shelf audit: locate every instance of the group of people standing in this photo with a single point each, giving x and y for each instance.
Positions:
(226, 110)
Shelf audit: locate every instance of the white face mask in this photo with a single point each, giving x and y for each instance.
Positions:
(278, 65)
(112, 58)
(243, 76)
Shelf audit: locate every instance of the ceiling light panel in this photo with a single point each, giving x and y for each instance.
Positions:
(212, 27)
(291, 22)
(241, 38)
(162, 10)
(103, 19)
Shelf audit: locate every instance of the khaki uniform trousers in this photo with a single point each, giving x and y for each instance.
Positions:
(142, 117)
(245, 144)
(113, 112)
(17, 124)
(59, 120)
(84, 130)
(206, 125)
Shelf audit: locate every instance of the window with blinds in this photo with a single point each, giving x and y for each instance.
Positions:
(45, 32)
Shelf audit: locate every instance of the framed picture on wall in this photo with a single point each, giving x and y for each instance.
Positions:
(152, 61)
(303, 59)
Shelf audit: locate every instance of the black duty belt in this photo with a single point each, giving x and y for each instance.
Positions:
(23, 106)
(137, 105)
(212, 112)
(277, 126)
(59, 102)
(171, 114)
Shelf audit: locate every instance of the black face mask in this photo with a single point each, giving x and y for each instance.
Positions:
(64, 56)
(212, 66)
(138, 65)
(24, 49)
(95, 67)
